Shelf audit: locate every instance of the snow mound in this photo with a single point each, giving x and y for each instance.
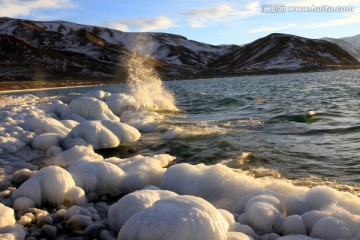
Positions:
(44, 141)
(101, 134)
(268, 206)
(65, 158)
(97, 176)
(177, 217)
(99, 94)
(48, 185)
(133, 203)
(142, 171)
(88, 108)
(46, 125)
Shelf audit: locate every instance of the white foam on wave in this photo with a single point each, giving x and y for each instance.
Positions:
(146, 86)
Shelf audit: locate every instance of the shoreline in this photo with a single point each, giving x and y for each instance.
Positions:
(22, 86)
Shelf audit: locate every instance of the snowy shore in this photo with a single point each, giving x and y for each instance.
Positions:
(75, 192)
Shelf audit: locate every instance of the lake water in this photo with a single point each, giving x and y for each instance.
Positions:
(261, 124)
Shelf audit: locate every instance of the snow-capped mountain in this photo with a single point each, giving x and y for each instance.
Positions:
(349, 44)
(284, 52)
(58, 50)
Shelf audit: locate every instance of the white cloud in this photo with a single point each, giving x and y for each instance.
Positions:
(221, 12)
(271, 29)
(117, 25)
(14, 8)
(143, 24)
(333, 23)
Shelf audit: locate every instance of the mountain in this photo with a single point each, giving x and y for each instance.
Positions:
(62, 50)
(349, 44)
(281, 52)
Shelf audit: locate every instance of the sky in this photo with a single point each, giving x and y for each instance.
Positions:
(210, 21)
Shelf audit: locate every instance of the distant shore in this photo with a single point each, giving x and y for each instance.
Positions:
(19, 86)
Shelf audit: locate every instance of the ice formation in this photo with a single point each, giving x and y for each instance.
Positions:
(88, 108)
(177, 217)
(153, 198)
(101, 134)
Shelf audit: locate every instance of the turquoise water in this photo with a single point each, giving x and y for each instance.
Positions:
(262, 122)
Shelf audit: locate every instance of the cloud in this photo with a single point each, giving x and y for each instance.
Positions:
(117, 25)
(271, 29)
(14, 8)
(221, 12)
(333, 23)
(143, 24)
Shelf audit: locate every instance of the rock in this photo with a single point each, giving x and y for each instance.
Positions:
(50, 231)
(25, 220)
(44, 220)
(107, 235)
(94, 230)
(79, 222)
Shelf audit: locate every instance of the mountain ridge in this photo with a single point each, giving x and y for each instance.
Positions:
(63, 50)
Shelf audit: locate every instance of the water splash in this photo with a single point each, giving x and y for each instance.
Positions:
(144, 82)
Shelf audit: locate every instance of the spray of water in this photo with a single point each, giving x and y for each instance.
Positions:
(144, 82)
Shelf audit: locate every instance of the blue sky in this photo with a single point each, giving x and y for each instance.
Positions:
(210, 21)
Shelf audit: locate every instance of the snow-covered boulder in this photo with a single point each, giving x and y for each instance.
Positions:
(46, 125)
(98, 94)
(178, 217)
(88, 108)
(101, 134)
(73, 154)
(97, 176)
(142, 171)
(48, 185)
(132, 203)
(44, 141)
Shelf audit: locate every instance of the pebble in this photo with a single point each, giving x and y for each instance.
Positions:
(44, 220)
(94, 230)
(21, 176)
(79, 222)
(25, 220)
(107, 235)
(50, 231)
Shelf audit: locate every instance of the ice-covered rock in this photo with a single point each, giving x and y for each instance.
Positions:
(331, 228)
(73, 154)
(142, 171)
(48, 185)
(44, 141)
(98, 94)
(88, 108)
(8, 227)
(102, 134)
(46, 125)
(217, 184)
(97, 176)
(23, 203)
(7, 216)
(178, 217)
(132, 203)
